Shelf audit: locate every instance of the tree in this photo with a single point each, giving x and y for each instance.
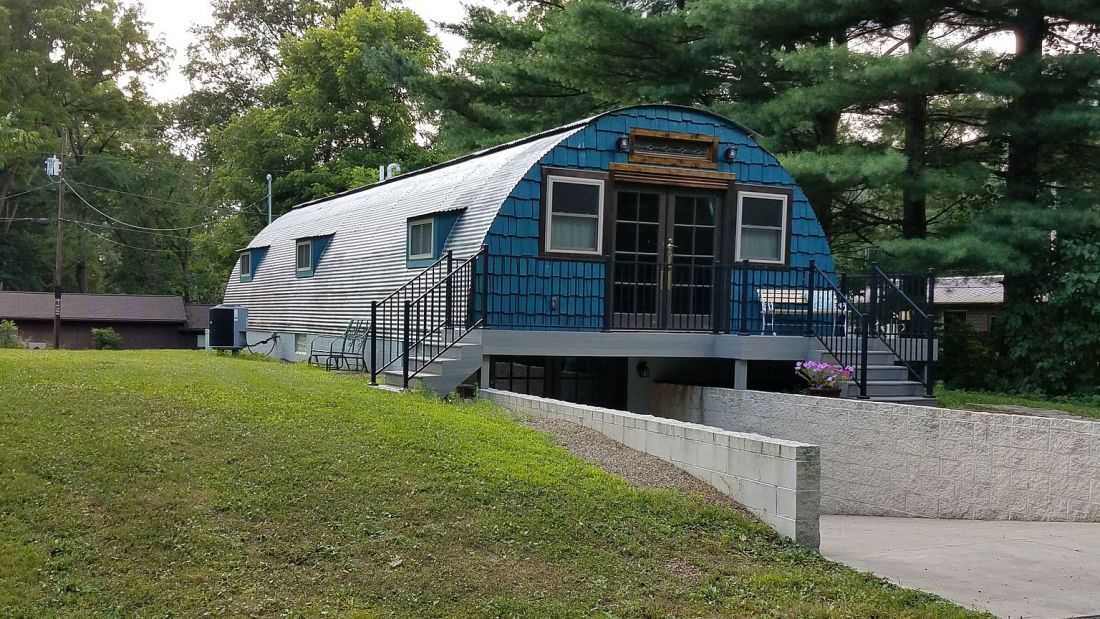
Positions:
(344, 102)
(238, 55)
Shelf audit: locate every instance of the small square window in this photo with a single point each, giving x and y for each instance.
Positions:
(421, 239)
(300, 343)
(246, 264)
(575, 210)
(762, 227)
(304, 256)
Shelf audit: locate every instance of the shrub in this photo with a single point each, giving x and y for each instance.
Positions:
(106, 339)
(968, 360)
(9, 335)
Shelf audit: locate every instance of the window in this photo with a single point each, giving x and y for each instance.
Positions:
(421, 239)
(304, 255)
(676, 149)
(300, 343)
(956, 316)
(575, 215)
(762, 227)
(246, 264)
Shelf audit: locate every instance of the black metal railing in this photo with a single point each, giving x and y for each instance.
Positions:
(442, 315)
(900, 315)
(545, 294)
(846, 339)
(386, 316)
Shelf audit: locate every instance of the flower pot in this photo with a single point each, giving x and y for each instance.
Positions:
(832, 392)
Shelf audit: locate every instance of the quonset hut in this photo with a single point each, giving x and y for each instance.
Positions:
(650, 243)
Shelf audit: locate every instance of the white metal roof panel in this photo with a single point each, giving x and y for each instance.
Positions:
(366, 258)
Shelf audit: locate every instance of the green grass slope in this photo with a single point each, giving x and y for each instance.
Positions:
(180, 483)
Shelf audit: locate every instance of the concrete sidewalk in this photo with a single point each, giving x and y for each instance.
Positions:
(1012, 569)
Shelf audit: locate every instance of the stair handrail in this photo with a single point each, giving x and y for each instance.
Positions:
(841, 346)
(379, 314)
(465, 273)
(925, 320)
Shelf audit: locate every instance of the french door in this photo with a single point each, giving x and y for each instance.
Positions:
(665, 244)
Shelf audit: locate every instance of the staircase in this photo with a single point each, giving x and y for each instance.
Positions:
(426, 333)
(886, 381)
(888, 336)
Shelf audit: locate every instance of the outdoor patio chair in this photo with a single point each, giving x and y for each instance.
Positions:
(345, 352)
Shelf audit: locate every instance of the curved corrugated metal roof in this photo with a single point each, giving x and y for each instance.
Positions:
(366, 257)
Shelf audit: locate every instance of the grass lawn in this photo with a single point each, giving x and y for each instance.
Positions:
(180, 483)
(979, 400)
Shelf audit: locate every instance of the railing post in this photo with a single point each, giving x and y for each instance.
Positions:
(743, 295)
(448, 317)
(810, 306)
(862, 369)
(608, 290)
(374, 342)
(405, 351)
(485, 287)
(928, 378)
(715, 298)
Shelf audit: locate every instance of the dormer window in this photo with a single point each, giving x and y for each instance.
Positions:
(307, 254)
(304, 256)
(426, 236)
(248, 262)
(422, 239)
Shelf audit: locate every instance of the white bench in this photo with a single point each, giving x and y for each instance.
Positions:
(796, 302)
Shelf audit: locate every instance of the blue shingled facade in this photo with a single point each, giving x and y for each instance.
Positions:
(551, 293)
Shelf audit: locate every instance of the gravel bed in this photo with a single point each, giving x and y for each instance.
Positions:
(640, 469)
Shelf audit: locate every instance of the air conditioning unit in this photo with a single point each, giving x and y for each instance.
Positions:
(228, 327)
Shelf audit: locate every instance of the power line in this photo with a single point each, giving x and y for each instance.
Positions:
(134, 247)
(117, 229)
(137, 195)
(16, 195)
(126, 223)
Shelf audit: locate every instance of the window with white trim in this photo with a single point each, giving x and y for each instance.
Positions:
(304, 255)
(246, 264)
(422, 239)
(762, 226)
(574, 211)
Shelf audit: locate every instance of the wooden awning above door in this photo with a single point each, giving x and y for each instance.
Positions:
(678, 177)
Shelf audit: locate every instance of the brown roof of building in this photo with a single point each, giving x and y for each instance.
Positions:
(198, 316)
(99, 307)
(970, 290)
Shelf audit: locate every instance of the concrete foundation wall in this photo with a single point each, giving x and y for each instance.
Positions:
(893, 460)
(775, 479)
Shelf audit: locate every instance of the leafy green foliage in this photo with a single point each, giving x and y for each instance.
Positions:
(9, 335)
(342, 104)
(106, 338)
(219, 485)
(967, 360)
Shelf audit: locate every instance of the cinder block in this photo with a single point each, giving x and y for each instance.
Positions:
(634, 438)
(659, 445)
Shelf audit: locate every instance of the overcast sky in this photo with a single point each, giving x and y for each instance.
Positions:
(173, 19)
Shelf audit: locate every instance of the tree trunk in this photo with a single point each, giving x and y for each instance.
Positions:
(914, 110)
(1022, 180)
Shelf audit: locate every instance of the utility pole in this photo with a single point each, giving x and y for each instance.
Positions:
(269, 199)
(57, 244)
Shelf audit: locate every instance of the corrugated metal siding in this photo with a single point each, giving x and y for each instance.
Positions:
(366, 259)
(516, 230)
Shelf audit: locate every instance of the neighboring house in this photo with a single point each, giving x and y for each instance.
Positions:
(651, 243)
(975, 300)
(143, 321)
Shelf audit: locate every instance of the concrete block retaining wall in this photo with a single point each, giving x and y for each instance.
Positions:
(887, 459)
(775, 479)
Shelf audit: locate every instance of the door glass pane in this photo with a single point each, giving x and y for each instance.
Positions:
(649, 206)
(647, 239)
